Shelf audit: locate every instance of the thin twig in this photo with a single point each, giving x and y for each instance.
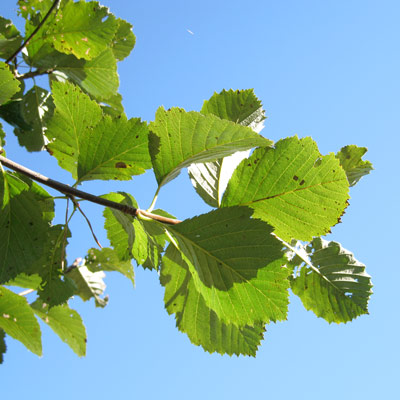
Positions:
(70, 191)
(27, 291)
(32, 74)
(64, 242)
(25, 43)
(77, 205)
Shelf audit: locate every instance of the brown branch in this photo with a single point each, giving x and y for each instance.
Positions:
(32, 74)
(70, 191)
(25, 43)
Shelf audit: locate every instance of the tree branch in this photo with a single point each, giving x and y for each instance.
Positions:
(25, 43)
(70, 191)
(32, 74)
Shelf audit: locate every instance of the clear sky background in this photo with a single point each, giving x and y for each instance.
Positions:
(325, 69)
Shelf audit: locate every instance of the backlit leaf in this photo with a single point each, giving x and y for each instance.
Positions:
(124, 40)
(82, 29)
(18, 321)
(8, 84)
(198, 321)
(179, 138)
(350, 158)
(292, 187)
(10, 39)
(114, 149)
(66, 323)
(236, 265)
(36, 108)
(107, 259)
(24, 225)
(340, 288)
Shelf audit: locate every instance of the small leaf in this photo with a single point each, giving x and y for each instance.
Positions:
(10, 39)
(24, 225)
(131, 237)
(89, 284)
(82, 29)
(338, 288)
(350, 158)
(18, 321)
(66, 323)
(179, 138)
(75, 115)
(292, 187)
(26, 281)
(115, 149)
(36, 108)
(124, 40)
(3, 347)
(107, 259)
(55, 289)
(8, 84)
(236, 265)
(194, 318)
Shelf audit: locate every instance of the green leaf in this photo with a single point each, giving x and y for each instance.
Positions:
(337, 288)
(89, 284)
(18, 321)
(199, 322)
(24, 225)
(97, 77)
(75, 115)
(350, 158)
(36, 108)
(66, 323)
(33, 7)
(8, 84)
(131, 237)
(107, 259)
(239, 106)
(115, 149)
(236, 265)
(55, 289)
(179, 138)
(2, 136)
(292, 187)
(124, 40)
(10, 39)
(26, 281)
(82, 29)
(3, 347)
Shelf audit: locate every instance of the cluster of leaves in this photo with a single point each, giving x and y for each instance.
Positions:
(226, 273)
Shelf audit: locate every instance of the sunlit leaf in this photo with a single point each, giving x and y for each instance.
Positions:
(292, 187)
(82, 29)
(179, 138)
(198, 321)
(236, 265)
(338, 289)
(89, 284)
(8, 84)
(3, 347)
(107, 259)
(123, 41)
(114, 149)
(36, 108)
(75, 115)
(18, 321)
(350, 158)
(24, 225)
(10, 39)
(66, 323)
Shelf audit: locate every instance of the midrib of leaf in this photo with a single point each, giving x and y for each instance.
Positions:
(103, 163)
(230, 269)
(310, 264)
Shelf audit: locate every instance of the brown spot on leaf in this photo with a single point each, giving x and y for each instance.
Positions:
(302, 182)
(296, 178)
(120, 164)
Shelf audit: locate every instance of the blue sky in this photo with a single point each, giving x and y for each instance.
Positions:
(329, 70)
